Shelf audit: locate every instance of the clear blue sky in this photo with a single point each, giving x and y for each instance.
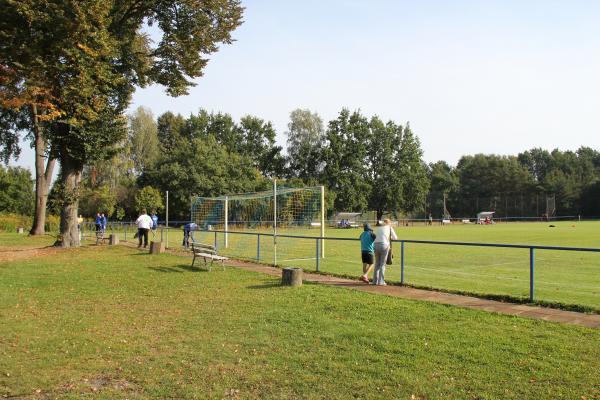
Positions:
(471, 76)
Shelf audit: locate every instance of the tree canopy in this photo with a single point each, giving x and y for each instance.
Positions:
(75, 64)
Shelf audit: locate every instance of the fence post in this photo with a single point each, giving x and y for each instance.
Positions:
(531, 267)
(317, 254)
(402, 262)
(216, 241)
(125, 231)
(258, 247)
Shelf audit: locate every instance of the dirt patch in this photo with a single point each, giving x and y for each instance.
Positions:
(13, 254)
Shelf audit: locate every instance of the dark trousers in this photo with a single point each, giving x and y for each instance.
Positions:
(186, 238)
(143, 232)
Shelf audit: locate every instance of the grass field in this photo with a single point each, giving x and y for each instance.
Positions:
(111, 322)
(568, 278)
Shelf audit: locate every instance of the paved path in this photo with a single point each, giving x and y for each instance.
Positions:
(547, 314)
(544, 313)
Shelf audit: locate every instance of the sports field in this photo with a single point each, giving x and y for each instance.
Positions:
(112, 322)
(568, 278)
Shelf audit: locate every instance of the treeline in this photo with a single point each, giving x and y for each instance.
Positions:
(532, 183)
(364, 162)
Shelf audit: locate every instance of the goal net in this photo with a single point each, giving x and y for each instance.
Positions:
(248, 225)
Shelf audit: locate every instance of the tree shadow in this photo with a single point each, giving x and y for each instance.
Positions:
(181, 268)
(269, 285)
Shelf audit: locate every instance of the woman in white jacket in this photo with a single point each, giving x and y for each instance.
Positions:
(384, 235)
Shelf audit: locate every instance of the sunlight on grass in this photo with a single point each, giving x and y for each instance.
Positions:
(114, 322)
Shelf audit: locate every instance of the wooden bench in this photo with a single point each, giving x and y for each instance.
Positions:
(208, 253)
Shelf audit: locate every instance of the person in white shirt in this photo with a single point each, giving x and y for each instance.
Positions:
(384, 235)
(144, 223)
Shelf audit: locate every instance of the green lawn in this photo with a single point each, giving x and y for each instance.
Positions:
(571, 278)
(565, 278)
(112, 322)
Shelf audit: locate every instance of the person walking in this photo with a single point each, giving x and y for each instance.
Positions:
(384, 235)
(104, 222)
(154, 218)
(98, 222)
(188, 233)
(144, 222)
(367, 238)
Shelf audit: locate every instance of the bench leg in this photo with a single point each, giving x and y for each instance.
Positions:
(193, 259)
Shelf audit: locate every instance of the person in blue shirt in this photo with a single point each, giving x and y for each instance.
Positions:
(98, 222)
(188, 230)
(367, 238)
(154, 222)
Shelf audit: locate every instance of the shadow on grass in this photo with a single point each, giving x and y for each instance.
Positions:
(177, 269)
(269, 285)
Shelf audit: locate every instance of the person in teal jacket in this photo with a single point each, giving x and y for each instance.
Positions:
(367, 238)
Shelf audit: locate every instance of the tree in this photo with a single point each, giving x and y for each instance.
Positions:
(11, 122)
(444, 184)
(143, 139)
(82, 61)
(258, 142)
(149, 198)
(344, 154)
(169, 129)
(205, 168)
(16, 191)
(305, 139)
(398, 176)
(98, 200)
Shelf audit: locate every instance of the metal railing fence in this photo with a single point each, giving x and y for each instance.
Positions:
(304, 251)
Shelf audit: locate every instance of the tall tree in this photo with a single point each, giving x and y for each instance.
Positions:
(169, 129)
(346, 171)
(305, 138)
(398, 176)
(82, 61)
(258, 142)
(143, 139)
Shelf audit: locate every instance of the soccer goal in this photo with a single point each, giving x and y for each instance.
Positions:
(281, 211)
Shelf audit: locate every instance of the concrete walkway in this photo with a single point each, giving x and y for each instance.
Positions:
(544, 313)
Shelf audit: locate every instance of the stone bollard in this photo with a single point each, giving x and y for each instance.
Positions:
(157, 247)
(20, 230)
(113, 239)
(291, 276)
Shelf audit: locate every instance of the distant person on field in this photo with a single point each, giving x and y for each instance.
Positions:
(384, 236)
(154, 222)
(367, 238)
(144, 223)
(430, 219)
(79, 223)
(98, 222)
(188, 230)
(104, 222)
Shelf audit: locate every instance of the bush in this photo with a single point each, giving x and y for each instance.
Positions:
(10, 222)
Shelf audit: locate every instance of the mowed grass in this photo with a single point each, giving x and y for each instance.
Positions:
(561, 277)
(113, 322)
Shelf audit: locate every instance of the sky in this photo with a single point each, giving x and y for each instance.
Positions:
(477, 76)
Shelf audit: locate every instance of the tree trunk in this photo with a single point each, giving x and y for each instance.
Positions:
(71, 179)
(379, 215)
(43, 177)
